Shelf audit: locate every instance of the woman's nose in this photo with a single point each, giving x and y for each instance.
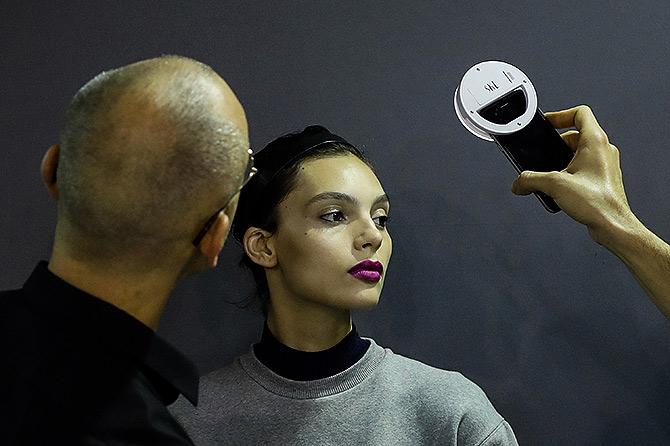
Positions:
(370, 237)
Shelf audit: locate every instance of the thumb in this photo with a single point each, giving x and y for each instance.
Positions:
(529, 182)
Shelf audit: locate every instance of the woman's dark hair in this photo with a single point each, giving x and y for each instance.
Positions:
(278, 166)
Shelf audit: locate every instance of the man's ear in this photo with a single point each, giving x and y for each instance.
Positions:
(48, 169)
(259, 246)
(212, 243)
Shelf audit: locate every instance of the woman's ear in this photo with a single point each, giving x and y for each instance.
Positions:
(259, 246)
(48, 169)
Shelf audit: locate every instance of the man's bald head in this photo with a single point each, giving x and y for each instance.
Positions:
(148, 151)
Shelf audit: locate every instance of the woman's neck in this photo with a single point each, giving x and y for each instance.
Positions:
(310, 328)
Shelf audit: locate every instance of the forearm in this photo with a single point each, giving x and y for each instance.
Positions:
(648, 258)
(590, 190)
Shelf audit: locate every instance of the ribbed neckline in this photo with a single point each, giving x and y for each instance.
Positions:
(317, 388)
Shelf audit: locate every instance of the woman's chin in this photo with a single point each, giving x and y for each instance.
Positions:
(363, 301)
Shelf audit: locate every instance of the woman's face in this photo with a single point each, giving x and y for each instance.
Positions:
(331, 243)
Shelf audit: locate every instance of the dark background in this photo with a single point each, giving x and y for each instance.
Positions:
(549, 324)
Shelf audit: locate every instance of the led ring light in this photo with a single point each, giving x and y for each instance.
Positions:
(484, 84)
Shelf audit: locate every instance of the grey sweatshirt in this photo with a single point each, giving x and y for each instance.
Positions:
(383, 399)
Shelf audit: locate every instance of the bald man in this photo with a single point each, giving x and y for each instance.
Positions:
(151, 159)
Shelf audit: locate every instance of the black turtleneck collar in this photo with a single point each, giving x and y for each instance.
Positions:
(305, 366)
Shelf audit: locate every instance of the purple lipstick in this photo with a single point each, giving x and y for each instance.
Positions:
(367, 270)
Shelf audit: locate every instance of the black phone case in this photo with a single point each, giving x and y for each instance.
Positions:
(537, 147)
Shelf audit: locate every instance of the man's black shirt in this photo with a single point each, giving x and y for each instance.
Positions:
(78, 370)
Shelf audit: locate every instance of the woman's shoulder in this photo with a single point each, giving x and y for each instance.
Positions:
(224, 384)
(413, 369)
(434, 384)
(445, 397)
(222, 378)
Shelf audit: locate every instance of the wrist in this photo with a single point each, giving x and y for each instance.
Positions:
(622, 236)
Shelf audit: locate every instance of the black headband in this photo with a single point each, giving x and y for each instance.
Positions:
(284, 150)
(272, 159)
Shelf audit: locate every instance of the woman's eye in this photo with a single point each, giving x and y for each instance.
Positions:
(334, 216)
(381, 221)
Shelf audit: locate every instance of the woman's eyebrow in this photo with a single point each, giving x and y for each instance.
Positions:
(340, 196)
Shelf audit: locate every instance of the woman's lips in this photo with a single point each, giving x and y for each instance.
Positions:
(367, 270)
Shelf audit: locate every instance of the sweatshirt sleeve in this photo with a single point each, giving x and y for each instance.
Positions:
(480, 424)
(502, 435)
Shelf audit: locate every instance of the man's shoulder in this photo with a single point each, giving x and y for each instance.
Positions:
(20, 327)
(43, 355)
(11, 301)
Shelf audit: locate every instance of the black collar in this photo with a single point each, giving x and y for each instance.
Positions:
(305, 366)
(84, 315)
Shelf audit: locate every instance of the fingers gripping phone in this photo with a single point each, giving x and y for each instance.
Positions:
(497, 102)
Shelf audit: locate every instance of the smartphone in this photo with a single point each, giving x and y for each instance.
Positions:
(537, 146)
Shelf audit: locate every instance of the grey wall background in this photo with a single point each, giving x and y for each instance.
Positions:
(549, 324)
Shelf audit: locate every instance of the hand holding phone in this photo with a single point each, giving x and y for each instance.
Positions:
(497, 102)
